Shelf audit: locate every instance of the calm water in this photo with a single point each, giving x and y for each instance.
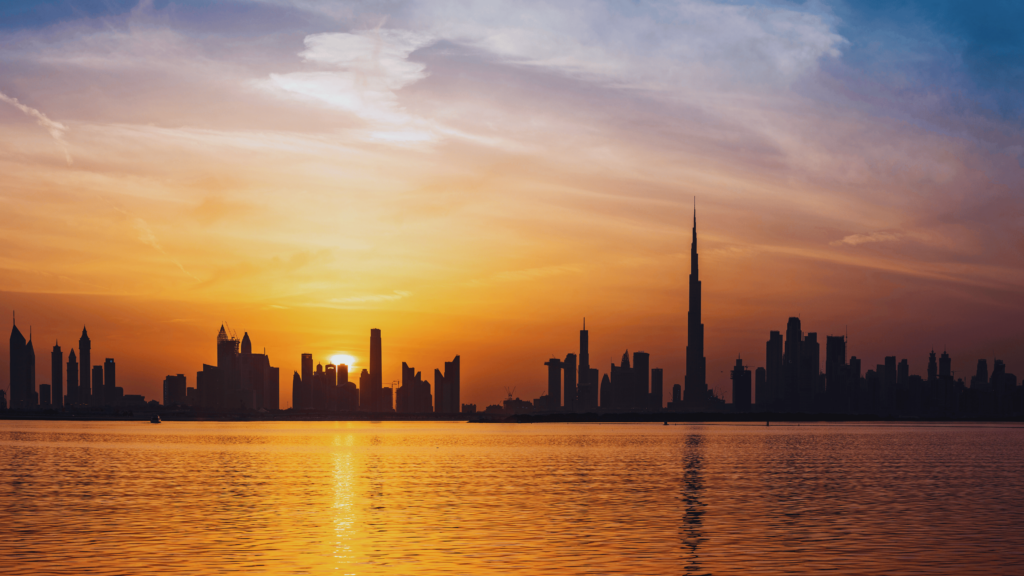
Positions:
(444, 498)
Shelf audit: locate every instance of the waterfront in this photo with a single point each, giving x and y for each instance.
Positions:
(457, 498)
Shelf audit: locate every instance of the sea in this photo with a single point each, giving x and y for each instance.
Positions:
(468, 498)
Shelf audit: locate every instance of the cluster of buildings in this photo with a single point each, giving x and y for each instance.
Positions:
(77, 384)
(240, 382)
(792, 381)
(328, 387)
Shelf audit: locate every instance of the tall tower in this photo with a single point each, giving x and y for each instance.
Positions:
(696, 391)
(57, 377)
(84, 369)
(376, 375)
(73, 398)
(19, 370)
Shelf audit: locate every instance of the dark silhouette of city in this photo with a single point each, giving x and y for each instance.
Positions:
(790, 382)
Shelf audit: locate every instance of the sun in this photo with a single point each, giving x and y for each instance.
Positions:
(345, 359)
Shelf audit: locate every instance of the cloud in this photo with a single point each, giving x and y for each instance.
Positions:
(858, 239)
(56, 129)
(396, 295)
(364, 71)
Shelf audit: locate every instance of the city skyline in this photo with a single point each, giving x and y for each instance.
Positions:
(479, 177)
(791, 380)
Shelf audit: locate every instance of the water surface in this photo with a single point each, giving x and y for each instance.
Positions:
(456, 498)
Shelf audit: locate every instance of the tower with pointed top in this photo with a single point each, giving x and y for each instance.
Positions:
(57, 376)
(19, 370)
(84, 368)
(695, 392)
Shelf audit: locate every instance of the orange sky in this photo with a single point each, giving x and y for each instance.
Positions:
(476, 185)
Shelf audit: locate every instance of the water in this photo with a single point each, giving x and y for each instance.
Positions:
(454, 498)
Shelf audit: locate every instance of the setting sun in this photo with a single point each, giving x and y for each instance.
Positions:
(345, 359)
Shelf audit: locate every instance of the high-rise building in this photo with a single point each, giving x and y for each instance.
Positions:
(302, 398)
(554, 395)
(414, 395)
(297, 391)
(229, 366)
(109, 382)
(19, 375)
(44, 397)
(175, 389)
(790, 393)
(73, 398)
(84, 369)
(365, 392)
(586, 390)
(453, 385)
(773, 373)
(57, 377)
(696, 392)
(31, 395)
(97, 386)
(569, 382)
(835, 372)
(657, 398)
(740, 387)
(933, 369)
(640, 395)
(376, 370)
(760, 388)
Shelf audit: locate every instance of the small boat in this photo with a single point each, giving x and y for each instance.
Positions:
(666, 422)
(155, 419)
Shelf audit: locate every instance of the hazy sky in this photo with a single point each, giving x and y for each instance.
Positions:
(476, 177)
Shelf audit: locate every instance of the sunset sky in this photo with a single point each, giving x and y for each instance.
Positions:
(476, 177)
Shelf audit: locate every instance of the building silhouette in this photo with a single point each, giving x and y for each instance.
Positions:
(97, 386)
(740, 376)
(773, 373)
(376, 373)
(695, 394)
(657, 397)
(175, 390)
(448, 387)
(85, 394)
(72, 399)
(552, 401)
(413, 397)
(57, 377)
(20, 378)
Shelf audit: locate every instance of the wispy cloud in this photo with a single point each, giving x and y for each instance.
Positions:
(858, 239)
(146, 236)
(56, 129)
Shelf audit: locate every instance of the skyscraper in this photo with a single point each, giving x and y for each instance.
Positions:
(657, 393)
(554, 395)
(18, 370)
(835, 372)
(583, 390)
(696, 391)
(57, 377)
(109, 382)
(790, 393)
(453, 385)
(772, 373)
(641, 393)
(84, 369)
(31, 397)
(97, 385)
(740, 387)
(72, 379)
(376, 371)
(301, 398)
(569, 377)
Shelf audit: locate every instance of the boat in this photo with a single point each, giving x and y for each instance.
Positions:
(155, 419)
